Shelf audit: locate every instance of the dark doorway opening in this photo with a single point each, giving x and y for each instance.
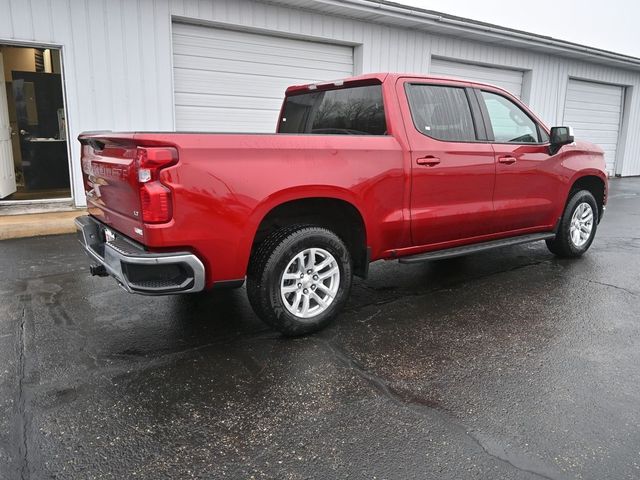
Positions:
(32, 82)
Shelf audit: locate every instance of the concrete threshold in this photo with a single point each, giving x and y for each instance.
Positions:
(35, 224)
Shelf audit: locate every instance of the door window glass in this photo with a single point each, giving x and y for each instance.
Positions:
(441, 112)
(509, 122)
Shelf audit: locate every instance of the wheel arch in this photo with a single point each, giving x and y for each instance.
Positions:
(594, 183)
(337, 212)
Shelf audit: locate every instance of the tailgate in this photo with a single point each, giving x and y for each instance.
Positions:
(110, 179)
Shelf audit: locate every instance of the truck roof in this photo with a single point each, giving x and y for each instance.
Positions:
(380, 77)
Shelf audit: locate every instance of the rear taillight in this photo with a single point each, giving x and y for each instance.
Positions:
(155, 198)
(156, 203)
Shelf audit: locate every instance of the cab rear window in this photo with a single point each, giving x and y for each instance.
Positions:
(345, 111)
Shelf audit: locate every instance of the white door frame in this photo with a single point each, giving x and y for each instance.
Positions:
(8, 179)
(65, 201)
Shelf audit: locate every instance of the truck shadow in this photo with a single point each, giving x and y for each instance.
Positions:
(213, 315)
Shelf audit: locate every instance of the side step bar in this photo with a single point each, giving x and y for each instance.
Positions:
(478, 247)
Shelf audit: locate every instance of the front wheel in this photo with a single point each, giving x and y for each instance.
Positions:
(299, 279)
(577, 227)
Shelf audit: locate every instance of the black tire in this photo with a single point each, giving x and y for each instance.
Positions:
(562, 245)
(268, 264)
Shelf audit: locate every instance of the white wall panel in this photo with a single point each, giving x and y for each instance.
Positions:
(510, 80)
(117, 58)
(234, 81)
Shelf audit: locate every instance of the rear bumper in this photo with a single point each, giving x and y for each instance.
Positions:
(135, 269)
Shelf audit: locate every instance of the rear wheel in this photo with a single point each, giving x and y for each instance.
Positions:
(299, 279)
(577, 227)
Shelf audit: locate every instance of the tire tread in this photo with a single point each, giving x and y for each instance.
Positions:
(561, 245)
(260, 266)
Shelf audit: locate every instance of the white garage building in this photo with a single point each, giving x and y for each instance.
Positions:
(223, 65)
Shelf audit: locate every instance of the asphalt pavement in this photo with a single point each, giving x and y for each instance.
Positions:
(511, 364)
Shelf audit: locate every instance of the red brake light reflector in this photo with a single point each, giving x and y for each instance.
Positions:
(156, 202)
(155, 197)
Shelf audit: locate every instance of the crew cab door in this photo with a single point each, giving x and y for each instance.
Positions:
(453, 171)
(527, 189)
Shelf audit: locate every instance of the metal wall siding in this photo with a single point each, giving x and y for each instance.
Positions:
(510, 80)
(400, 49)
(117, 57)
(205, 56)
(116, 61)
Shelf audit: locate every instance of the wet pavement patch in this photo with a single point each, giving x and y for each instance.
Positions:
(508, 364)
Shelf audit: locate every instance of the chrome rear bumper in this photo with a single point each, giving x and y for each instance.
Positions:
(135, 269)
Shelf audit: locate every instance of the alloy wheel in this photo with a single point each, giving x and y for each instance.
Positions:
(310, 283)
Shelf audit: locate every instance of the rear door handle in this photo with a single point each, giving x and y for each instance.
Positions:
(508, 160)
(429, 161)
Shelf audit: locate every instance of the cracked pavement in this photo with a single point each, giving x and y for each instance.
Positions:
(510, 364)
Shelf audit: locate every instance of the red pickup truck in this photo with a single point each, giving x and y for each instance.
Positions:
(381, 166)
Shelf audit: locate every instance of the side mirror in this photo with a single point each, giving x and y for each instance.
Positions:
(560, 136)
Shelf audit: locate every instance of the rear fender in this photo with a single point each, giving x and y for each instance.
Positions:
(292, 194)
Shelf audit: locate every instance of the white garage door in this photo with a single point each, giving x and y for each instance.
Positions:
(594, 111)
(231, 81)
(510, 80)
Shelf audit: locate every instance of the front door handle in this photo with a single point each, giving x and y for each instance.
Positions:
(429, 161)
(507, 160)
